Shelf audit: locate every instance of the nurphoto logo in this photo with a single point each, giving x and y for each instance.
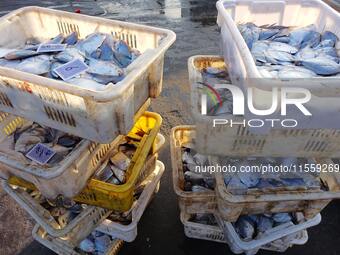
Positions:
(280, 98)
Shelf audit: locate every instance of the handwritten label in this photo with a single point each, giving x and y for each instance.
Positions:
(40, 153)
(71, 69)
(51, 47)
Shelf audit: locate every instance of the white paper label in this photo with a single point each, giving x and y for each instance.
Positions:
(71, 69)
(40, 153)
(50, 47)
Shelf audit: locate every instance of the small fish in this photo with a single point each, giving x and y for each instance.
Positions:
(106, 49)
(278, 57)
(103, 68)
(102, 243)
(197, 188)
(266, 34)
(322, 66)
(69, 54)
(278, 46)
(120, 160)
(282, 217)
(245, 228)
(249, 179)
(301, 35)
(264, 223)
(119, 174)
(57, 40)
(36, 65)
(123, 48)
(91, 43)
(20, 54)
(328, 35)
(188, 158)
(71, 39)
(87, 246)
(104, 174)
(200, 159)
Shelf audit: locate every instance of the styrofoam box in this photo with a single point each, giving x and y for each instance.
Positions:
(293, 13)
(96, 115)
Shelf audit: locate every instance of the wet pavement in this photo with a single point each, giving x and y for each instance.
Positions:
(160, 230)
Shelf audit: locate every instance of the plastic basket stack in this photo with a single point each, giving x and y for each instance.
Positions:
(209, 209)
(91, 197)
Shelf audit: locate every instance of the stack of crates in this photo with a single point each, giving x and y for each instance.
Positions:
(226, 141)
(105, 121)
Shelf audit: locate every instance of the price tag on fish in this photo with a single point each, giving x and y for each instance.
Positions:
(71, 69)
(51, 47)
(40, 153)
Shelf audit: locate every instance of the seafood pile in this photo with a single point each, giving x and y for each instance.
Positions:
(96, 243)
(29, 134)
(219, 101)
(196, 180)
(250, 227)
(242, 180)
(287, 53)
(104, 56)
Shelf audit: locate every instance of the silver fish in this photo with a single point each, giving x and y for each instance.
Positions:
(90, 43)
(119, 174)
(69, 54)
(20, 54)
(278, 57)
(278, 46)
(245, 228)
(282, 217)
(87, 246)
(108, 69)
(322, 66)
(35, 65)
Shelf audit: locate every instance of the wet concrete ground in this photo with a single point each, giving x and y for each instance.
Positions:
(160, 230)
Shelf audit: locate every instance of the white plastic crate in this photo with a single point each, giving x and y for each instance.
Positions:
(259, 201)
(65, 245)
(68, 177)
(60, 248)
(215, 233)
(44, 218)
(96, 115)
(294, 13)
(239, 141)
(287, 232)
(201, 231)
(128, 232)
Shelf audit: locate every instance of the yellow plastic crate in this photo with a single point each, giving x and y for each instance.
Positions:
(118, 197)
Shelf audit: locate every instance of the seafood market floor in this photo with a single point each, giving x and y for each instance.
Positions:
(160, 230)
